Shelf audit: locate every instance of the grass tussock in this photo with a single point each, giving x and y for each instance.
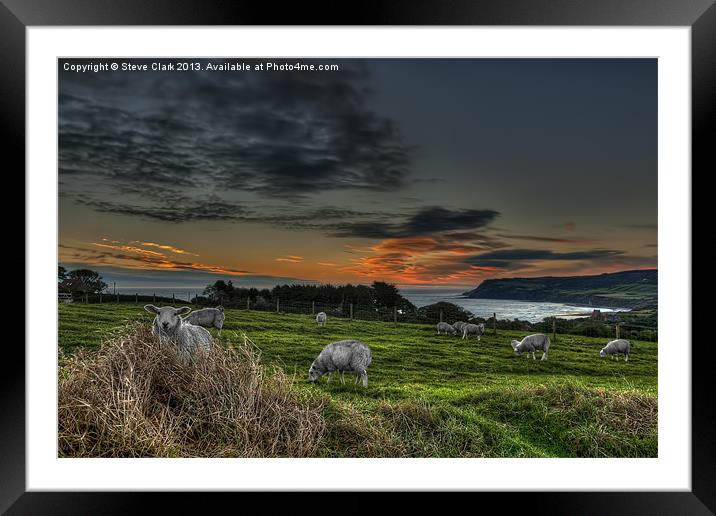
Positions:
(578, 421)
(137, 397)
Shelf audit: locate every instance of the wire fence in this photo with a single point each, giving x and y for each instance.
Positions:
(588, 326)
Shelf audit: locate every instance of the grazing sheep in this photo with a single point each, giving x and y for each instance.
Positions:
(344, 355)
(473, 329)
(321, 318)
(616, 348)
(446, 328)
(169, 325)
(532, 343)
(458, 325)
(207, 317)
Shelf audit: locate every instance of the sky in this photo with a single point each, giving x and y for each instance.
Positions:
(418, 172)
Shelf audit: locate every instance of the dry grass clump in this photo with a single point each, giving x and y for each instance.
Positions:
(137, 397)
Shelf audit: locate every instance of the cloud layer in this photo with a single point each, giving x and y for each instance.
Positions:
(281, 135)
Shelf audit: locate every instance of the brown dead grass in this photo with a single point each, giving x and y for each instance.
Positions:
(137, 397)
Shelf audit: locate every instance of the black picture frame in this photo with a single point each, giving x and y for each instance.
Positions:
(700, 15)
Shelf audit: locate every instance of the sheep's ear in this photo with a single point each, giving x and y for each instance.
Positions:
(151, 308)
(183, 310)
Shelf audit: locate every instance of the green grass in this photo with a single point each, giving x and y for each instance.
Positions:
(437, 395)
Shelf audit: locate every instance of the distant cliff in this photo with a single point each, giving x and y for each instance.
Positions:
(627, 289)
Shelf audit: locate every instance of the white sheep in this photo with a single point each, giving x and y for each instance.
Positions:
(170, 326)
(321, 318)
(532, 343)
(342, 356)
(616, 348)
(207, 317)
(458, 325)
(473, 329)
(446, 328)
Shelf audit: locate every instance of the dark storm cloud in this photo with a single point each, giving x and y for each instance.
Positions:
(427, 221)
(506, 258)
(278, 134)
(558, 240)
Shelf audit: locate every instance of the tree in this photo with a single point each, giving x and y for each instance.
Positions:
(386, 295)
(61, 273)
(451, 313)
(219, 290)
(87, 281)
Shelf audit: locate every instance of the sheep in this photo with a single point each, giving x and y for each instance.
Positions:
(616, 348)
(446, 328)
(344, 355)
(207, 317)
(532, 343)
(473, 329)
(170, 326)
(458, 325)
(321, 318)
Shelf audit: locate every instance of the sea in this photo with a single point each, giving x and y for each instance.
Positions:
(532, 311)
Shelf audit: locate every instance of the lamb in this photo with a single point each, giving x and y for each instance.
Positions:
(207, 317)
(170, 326)
(344, 355)
(321, 318)
(473, 329)
(616, 348)
(532, 343)
(446, 328)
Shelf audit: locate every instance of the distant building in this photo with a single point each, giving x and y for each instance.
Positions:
(596, 314)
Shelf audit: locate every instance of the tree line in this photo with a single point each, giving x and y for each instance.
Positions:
(379, 295)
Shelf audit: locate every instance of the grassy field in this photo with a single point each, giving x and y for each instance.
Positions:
(436, 395)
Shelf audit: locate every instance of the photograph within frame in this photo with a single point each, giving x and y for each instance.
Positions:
(358, 204)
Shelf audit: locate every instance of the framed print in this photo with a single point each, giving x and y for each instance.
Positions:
(423, 249)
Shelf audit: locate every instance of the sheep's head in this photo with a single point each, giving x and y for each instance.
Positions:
(167, 317)
(515, 344)
(314, 373)
(602, 353)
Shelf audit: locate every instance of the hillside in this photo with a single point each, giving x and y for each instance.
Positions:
(627, 289)
(435, 395)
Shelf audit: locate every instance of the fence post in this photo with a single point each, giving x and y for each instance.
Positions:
(154, 298)
(617, 328)
(313, 307)
(278, 305)
(441, 316)
(100, 298)
(174, 301)
(351, 311)
(248, 303)
(136, 298)
(554, 329)
(494, 323)
(395, 315)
